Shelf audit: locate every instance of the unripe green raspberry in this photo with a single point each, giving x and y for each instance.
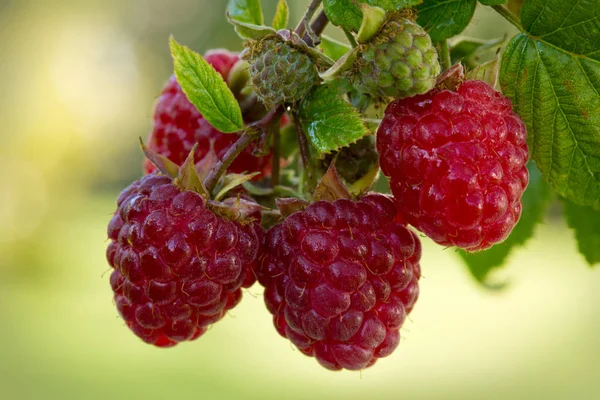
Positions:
(400, 61)
(280, 72)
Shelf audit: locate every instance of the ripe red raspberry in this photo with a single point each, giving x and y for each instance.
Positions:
(457, 163)
(178, 267)
(340, 278)
(178, 126)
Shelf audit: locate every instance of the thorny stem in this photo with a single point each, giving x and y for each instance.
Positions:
(304, 149)
(446, 61)
(318, 26)
(350, 38)
(509, 16)
(249, 134)
(303, 25)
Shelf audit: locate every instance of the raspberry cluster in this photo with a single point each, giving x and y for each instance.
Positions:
(340, 278)
(339, 265)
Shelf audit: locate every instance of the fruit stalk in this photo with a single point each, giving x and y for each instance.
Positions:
(350, 38)
(318, 26)
(445, 59)
(509, 16)
(304, 151)
(221, 166)
(302, 26)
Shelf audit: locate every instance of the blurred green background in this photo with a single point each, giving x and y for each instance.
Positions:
(78, 80)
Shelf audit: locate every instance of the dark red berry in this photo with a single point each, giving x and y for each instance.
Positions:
(457, 164)
(178, 267)
(178, 125)
(340, 278)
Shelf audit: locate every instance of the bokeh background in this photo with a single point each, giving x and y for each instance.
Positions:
(78, 80)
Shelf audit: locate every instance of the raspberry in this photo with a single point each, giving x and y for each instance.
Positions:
(178, 267)
(340, 278)
(280, 72)
(400, 61)
(178, 126)
(457, 164)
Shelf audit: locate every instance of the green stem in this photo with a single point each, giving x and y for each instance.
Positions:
(350, 38)
(304, 151)
(446, 60)
(275, 161)
(509, 16)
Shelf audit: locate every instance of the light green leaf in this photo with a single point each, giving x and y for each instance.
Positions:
(329, 121)
(250, 31)
(248, 11)
(282, 15)
(552, 75)
(231, 181)
(445, 18)
(332, 48)
(535, 203)
(586, 224)
(206, 89)
(348, 14)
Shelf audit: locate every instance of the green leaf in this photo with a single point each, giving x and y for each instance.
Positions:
(445, 18)
(250, 31)
(248, 11)
(344, 13)
(492, 2)
(552, 75)
(348, 14)
(535, 203)
(231, 181)
(586, 224)
(332, 48)
(282, 15)
(329, 121)
(206, 89)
